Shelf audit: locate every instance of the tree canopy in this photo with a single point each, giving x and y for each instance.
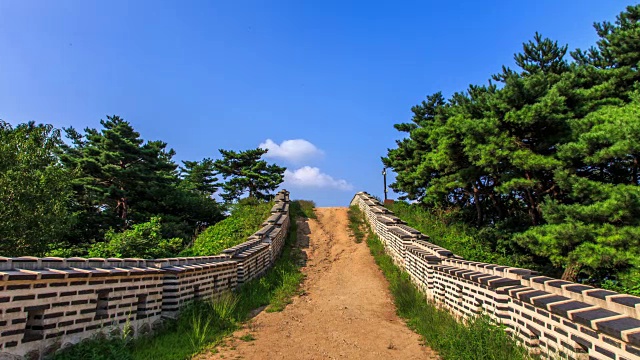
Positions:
(35, 189)
(546, 151)
(109, 192)
(245, 172)
(105, 192)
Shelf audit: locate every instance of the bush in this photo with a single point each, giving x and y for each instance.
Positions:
(100, 347)
(142, 241)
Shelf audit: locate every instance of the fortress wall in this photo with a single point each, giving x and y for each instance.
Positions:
(554, 318)
(49, 303)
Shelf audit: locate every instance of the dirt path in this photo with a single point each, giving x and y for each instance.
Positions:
(347, 311)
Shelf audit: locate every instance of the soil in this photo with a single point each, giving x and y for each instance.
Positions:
(345, 312)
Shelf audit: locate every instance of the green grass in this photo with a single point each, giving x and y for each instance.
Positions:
(477, 338)
(488, 245)
(356, 223)
(246, 218)
(247, 337)
(203, 324)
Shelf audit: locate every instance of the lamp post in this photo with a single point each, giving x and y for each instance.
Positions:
(384, 176)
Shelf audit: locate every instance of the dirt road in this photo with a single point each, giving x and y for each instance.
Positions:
(346, 313)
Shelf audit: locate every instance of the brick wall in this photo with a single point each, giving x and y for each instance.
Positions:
(49, 303)
(553, 318)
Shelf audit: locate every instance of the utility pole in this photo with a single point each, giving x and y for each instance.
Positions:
(384, 175)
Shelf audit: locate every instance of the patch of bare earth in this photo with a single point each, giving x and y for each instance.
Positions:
(346, 312)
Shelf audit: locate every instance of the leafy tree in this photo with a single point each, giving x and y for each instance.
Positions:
(406, 159)
(245, 172)
(488, 149)
(119, 170)
(35, 190)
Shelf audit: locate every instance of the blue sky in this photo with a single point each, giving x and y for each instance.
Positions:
(332, 75)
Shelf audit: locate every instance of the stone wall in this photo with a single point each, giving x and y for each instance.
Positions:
(554, 318)
(49, 303)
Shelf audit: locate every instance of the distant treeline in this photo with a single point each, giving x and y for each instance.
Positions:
(109, 193)
(543, 159)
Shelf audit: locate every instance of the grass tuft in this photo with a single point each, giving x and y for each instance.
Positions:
(356, 223)
(247, 337)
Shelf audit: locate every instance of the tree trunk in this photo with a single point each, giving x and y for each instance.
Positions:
(476, 200)
(635, 171)
(497, 204)
(533, 206)
(571, 272)
(122, 208)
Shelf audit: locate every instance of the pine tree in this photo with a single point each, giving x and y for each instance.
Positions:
(245, 172)
(597, 229)
(199, 176)
(121, 177)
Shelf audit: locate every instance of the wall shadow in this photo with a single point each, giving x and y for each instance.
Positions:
(302, 240)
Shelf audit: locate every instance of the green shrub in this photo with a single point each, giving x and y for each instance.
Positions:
(100, 347)
(142, 240)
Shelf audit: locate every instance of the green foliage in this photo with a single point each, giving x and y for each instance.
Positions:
(199, 176)
(477, 338)
(119, 170)
(356, 223)
(306, 208)
(550, 155)
(245, 219)
(123, 180)
(200, 324)
(245, 172)
(247, 337)
(142, 241)
(445, 229)
(35, 190)
(100, 347)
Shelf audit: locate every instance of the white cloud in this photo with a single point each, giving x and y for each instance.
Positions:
(292, 150)
(308, 176)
